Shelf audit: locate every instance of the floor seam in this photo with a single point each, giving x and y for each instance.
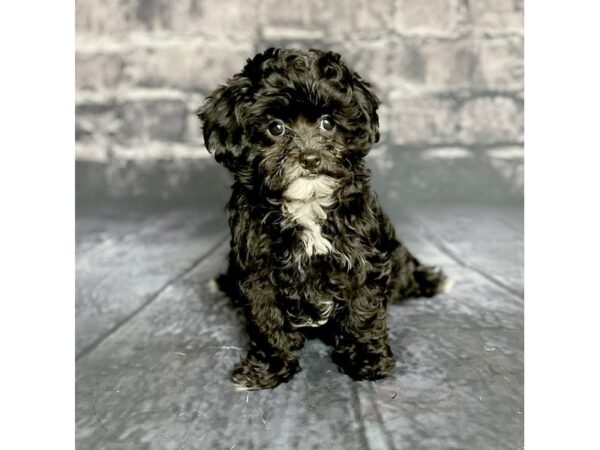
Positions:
(362, 433)
(385, 431)
(439, 244)
(90, 348)
(125, 236)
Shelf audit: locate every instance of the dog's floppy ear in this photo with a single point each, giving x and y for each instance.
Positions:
(221, 124)
(369, 103)
(361, 111)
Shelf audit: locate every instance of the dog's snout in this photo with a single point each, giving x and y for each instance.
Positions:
(310, 160)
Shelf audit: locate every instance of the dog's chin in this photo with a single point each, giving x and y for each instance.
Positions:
(312, 174)
(300, 184)
(309, 187)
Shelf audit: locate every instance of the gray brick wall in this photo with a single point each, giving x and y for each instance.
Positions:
(449, 72)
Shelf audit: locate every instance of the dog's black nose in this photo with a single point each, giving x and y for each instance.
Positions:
(310, 160)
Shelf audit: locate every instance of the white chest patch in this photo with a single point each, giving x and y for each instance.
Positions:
(305, 203)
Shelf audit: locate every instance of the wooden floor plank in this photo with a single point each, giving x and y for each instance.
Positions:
(161, 381)
(100, 229)
(459, 380)
(459, 376)
(131, 263)
(489, 240)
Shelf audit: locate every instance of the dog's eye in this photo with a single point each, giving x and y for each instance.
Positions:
(276, 128)
(327, 123)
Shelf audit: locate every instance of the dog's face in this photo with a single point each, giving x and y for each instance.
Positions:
(289, 116)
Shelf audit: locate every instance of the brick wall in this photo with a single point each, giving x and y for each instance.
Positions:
(449, 72)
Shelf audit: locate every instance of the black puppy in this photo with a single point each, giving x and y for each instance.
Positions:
(310, 246)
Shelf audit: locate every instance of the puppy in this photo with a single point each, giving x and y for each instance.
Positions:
(310, 246)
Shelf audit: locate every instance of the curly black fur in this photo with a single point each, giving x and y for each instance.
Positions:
(310, 246)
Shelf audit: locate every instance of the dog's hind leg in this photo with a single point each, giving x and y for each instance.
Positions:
(227, 282)
(411, 278)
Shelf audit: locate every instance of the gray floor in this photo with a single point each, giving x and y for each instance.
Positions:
(155, 346)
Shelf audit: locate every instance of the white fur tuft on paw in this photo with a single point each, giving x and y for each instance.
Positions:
(446, 286)
(213, 286)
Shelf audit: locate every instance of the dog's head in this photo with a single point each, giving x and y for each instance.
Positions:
(291, 115)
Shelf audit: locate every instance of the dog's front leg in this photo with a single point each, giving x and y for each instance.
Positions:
(270, 360)
(361, 347)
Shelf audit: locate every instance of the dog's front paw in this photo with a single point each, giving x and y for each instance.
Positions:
(371, 366)
(296, 340)
(254, 373)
